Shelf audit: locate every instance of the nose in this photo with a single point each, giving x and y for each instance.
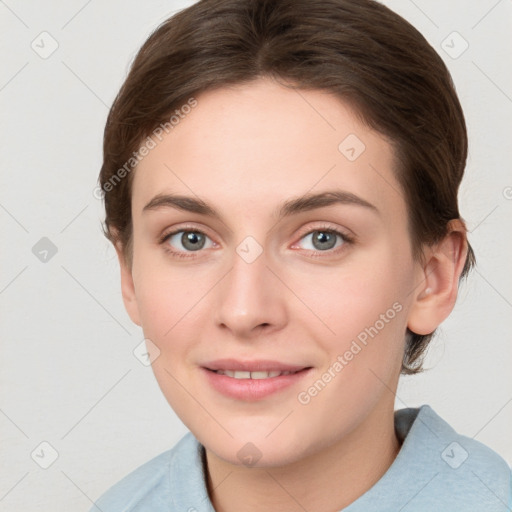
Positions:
(250, 299)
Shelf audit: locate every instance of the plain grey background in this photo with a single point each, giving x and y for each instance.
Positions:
(68, 375)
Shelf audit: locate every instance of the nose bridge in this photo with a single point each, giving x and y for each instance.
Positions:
(250, 295)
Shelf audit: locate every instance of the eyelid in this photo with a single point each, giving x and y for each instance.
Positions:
(347, 241)
(325, 226)
(185, 227)
(178, 254)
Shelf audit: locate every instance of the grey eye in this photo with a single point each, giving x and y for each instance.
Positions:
(190, 240)
(323, 240)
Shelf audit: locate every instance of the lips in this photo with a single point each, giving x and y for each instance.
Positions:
(252, 380)
(234, 365)
(240, 374)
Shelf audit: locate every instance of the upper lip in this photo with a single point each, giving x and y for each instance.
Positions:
(252, 366)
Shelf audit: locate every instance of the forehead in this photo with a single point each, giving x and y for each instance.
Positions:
(257, 144)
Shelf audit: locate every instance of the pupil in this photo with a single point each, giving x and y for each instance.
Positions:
(192, 241)
(325, 239)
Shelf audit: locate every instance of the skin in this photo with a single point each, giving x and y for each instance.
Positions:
(245, 150)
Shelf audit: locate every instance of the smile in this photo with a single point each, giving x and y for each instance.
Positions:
(250, 381)
(252, 375)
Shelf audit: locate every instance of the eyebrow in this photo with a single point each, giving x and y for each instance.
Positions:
(290, 207)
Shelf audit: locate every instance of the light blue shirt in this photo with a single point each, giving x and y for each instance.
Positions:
(436, 469)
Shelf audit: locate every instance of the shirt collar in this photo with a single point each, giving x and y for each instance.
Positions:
(431, 461)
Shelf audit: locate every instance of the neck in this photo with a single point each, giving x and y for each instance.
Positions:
(328, 480)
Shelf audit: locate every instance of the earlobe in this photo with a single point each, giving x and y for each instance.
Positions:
(436, 293)
(128, 287)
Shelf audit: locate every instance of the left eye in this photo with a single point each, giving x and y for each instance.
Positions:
(324, 239)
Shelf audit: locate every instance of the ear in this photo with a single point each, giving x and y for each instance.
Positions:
(436, 295)
(127, 286)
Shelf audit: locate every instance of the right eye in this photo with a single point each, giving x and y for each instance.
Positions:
(191, 240)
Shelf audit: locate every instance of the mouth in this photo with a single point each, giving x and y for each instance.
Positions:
(238, 374)
(252, 380)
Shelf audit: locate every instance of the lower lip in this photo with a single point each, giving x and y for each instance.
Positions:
(252, 389)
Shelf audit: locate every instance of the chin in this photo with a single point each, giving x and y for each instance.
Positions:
(267, 455)
(257, 447)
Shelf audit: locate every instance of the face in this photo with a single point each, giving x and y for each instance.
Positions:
(265, 283)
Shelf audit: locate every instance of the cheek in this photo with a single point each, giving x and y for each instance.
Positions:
(169, 307)
(354, 297)
(363, 347)
(174, 303)
(364, 320)
(156, 306)
(160, 297)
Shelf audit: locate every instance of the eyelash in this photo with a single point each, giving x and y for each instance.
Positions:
(347, 240)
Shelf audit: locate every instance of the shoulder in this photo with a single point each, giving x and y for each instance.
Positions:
(461, 447)
(464, 471)
(150, 486)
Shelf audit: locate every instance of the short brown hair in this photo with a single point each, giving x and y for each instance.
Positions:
(358, 49)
